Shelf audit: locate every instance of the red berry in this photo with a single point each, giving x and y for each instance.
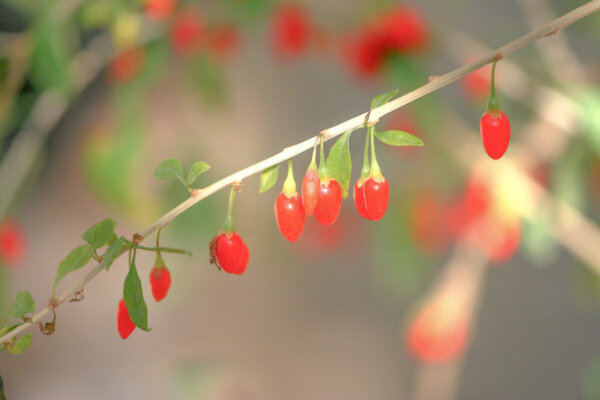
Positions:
(498, 237)
(310, 191)
(427, 223)
(477, 84)
(160, 282)
(495, 133)
(187, 33)
(404, 29)
(159, 10)
(359, 199)
(12, 243)
(126, 65)
(124, 324)
(290, 30)
(329, 202)
(377, 195)
(290, 216)
(223, 41)
(231, 253)
(437, 334)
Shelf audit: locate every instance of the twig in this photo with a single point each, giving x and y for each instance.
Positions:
(356, 122)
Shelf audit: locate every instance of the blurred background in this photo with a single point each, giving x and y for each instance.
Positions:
(480, 282)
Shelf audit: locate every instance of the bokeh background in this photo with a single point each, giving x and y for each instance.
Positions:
(480, 282)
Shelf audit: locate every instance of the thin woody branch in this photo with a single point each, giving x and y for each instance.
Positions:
(353, 123)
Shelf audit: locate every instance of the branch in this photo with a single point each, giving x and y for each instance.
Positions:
(356, 122)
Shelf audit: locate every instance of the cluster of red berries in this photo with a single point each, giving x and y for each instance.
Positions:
(160, 282)
(401, 30)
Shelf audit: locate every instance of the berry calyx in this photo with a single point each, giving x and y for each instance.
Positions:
(310, 185)
(12, 243)
(160, 279)
(289, 210)
(494, 126)
(124, 323)
(329, 200)
(376, 192)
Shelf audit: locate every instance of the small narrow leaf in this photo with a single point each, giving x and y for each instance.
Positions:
(23, 305)
(196, 169)
(100, 234)
(75, 260)
(268, 178)
(380, 100)
(22, 344)
(339, 162)
(134, 299)
(399, 138)
(170, 168)
(113, 252)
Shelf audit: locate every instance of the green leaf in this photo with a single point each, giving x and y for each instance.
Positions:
(380, 100)
(268, 178)
(22, 344)
(7, 329)
(134, 299)
(23, 305)
(399, 138)
(113, 252)
(75, 260)
(100, 234)
(170, 168)
(196, 169)
(339, 163)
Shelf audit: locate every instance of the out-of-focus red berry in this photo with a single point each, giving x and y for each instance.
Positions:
(427, 223)
(476, 85)
(159, 10)
(290, 30)
(12, 243)
(404, 29)
(498, 236)
(187, 33)
(437, 334)
(126, 65)
(223, 41)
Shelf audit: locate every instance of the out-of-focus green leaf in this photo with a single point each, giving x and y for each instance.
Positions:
(95, 14)
(207, 77)
(51, 50)
(268, 178)
(170, 168)
(590, 383)
(195, 170)
(76, 259)
(339, 162)
(134, 299)
(568, 176)
(23, 305)
(7, 329)
(589, 101)
(537, 242)
(381, 99)
(22, 344)
(398, 138)
(99, 234)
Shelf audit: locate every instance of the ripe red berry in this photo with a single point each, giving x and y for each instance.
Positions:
(231, 253)
(290, 30)
(124, 324)
(437, 334)
(329, 202)
(495, 133)
(223, 41)
(12, 243)
(289, 211)
(377, 195)
(159, 10)
(187, 33)
(404, 29)
(160, 282)
(359, 199)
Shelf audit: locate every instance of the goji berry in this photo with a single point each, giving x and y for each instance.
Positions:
(124, 324)
(289, 211)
